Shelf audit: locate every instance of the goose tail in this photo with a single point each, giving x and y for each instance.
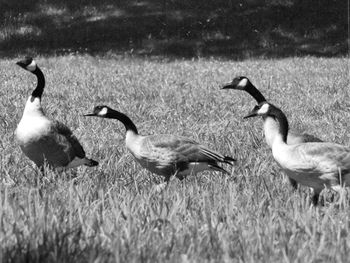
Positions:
(216, 167)
(229, 160)
(90, 162)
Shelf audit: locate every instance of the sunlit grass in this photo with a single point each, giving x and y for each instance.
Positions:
(109, 212)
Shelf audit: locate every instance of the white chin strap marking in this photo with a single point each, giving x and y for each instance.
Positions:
(31, 66)
(243, 82)
(263, 109)
(103, 112)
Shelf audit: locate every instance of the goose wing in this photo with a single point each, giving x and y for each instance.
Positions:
(66, 138)
(182, 149)
(323, 157)
(310, 138)
(296, 138)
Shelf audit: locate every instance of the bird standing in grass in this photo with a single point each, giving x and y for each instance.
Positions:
(243, 83)
(165, 155)
(42, 139)
(316, 165)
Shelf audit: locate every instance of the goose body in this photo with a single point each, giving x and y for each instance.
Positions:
(42, 139)
(316, 165)
(165, 155)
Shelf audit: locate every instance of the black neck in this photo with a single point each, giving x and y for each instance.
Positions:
(41, 83)
(255, 93)
(283, 123)
(129, 125)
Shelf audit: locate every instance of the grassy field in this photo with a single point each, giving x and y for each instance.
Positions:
(109, 214)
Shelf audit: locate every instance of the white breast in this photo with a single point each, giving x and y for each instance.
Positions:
(31, 129)
(33, 124)
(270, 130)
(294, 166)
(133, 143)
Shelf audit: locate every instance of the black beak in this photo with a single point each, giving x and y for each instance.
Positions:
(227, 86)
(90, 114)
(21, 64)
(250, 115)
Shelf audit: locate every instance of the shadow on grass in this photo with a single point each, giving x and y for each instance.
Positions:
(56, 245)
(234, 29)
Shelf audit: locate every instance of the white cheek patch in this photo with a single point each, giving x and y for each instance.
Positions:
(243, 83)
(103, 111)
(31, 66)
(264, 109)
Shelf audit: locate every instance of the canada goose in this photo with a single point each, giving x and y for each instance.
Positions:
(243, 83)
(165, 155)
(312, 164)
(43, 139)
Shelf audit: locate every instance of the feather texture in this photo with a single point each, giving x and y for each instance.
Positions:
(168, 154)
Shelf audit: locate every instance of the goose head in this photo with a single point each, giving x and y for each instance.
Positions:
(238, 83)
(262, 109)
(275, 124)
(27, 63)
(101, 111)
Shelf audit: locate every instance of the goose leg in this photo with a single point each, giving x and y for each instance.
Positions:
(42, 170)
(40, 176)
(315, 197)
(38, 182)
(162, 186)
(180, 177)
(293, 183)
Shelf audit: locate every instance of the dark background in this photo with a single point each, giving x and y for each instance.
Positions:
(175, 28)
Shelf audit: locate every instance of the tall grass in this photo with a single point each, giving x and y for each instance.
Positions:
(109, 213)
